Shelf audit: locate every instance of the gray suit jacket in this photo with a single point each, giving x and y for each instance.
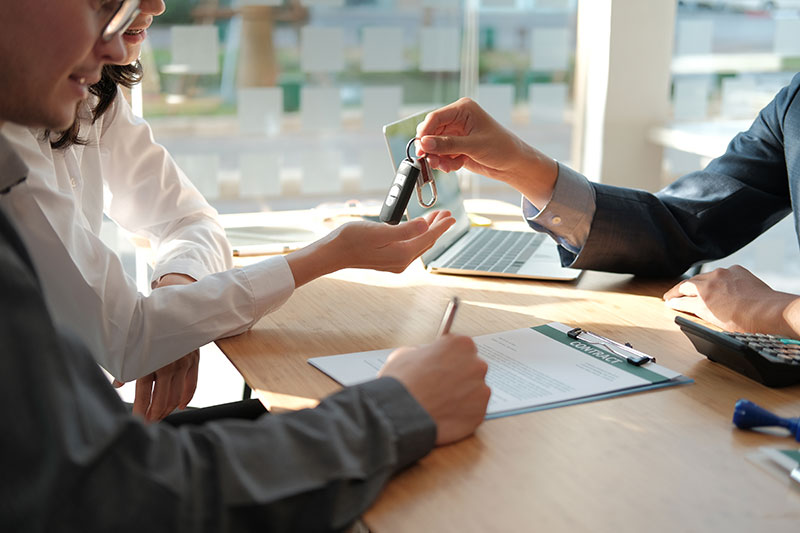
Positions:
(72, 458)
(705, 215)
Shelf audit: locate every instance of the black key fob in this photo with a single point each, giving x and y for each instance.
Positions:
(394, 206)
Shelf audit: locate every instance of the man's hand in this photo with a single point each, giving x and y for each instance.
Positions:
(462, 134)
(369, 245)
(736, 300)
(448, 379)
(172, 386)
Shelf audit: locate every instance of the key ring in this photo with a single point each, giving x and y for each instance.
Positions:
(425, 176)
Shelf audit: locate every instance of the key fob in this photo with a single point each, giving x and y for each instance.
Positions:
(394, 206)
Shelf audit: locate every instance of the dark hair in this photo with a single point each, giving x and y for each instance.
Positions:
(106, 91)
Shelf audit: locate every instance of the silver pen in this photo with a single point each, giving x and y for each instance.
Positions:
(449, 316)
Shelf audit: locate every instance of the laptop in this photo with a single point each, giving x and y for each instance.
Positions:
(475, 251)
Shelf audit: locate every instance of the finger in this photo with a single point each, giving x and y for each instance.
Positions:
(165, 397)
(143, 395)
(407, 230)
(419, 244)
(190, 382)
(451, 144)
(435, 216)
(117, 384)
(694, 306)
(684, 288)
(436, 120)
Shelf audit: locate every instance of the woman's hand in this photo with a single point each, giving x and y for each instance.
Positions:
(369, 245)
(736, 300)
(171, 386)
(463, 135)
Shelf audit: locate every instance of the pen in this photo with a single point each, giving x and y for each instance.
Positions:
(449, 315)
(634, 357)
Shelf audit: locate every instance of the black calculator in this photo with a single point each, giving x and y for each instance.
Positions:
(768, 359)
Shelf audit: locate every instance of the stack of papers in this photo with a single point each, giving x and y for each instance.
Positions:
(531, 369)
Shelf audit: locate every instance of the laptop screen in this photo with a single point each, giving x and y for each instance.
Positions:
(448, 192)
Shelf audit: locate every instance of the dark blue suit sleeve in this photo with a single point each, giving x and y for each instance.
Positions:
(705, 215)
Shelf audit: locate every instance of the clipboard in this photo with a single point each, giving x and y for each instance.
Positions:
(533, 369)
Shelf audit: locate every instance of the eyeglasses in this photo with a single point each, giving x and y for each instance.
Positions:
(121, 19)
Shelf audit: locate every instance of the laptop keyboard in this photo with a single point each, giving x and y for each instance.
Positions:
(497, 251)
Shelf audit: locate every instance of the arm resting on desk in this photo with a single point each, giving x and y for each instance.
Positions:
(74, 458)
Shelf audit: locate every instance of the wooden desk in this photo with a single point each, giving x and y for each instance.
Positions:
(666, 460)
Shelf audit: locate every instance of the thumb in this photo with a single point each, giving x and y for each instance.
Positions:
(448, 144)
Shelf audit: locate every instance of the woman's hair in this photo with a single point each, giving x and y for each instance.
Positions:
(105, 90)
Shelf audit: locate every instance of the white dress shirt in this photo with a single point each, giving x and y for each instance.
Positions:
(123, 172)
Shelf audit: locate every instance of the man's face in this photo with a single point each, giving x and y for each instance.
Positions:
(50, 53)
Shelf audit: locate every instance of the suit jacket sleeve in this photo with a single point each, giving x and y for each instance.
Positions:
(74, 459)
(705, 215)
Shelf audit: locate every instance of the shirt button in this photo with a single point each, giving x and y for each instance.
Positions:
(556, 220)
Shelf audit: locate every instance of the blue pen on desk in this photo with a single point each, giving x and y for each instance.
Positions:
(747, 415)
(449, 316)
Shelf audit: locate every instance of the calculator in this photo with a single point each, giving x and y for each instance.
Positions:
(768, 359)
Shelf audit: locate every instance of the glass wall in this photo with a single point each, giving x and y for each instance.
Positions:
(278, 104)
(731, 58)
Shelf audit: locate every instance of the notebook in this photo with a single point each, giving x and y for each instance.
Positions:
(476, 251)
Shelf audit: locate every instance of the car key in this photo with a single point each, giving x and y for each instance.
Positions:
(394, 206)
(411, 173)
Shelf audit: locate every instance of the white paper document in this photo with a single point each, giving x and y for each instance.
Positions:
(531, 369)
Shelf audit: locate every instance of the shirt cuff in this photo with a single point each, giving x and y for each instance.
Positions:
(567, 217)
(271, 282)
(195, 269)
(414, 429)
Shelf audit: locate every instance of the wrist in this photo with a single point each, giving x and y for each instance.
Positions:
(316, 260)
(173, 278)
(535, 177)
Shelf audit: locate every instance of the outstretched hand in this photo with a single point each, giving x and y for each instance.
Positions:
(372, 245)
(735, 300)
(391, 248)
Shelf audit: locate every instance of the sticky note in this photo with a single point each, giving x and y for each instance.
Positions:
(320, 108)
(259, 174)
(690, 98)
(547, 102)
(380, 106)
(440, 49)
(202, 170)
(322, 3)
(243, 3)
(195, 50)
(441, 4)
(382, 49)
(787, 37)
(376, 168)
(321, 172)
(260, 110)
(550, 49)
(498, 100)
(694, 37)
(321, 49)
